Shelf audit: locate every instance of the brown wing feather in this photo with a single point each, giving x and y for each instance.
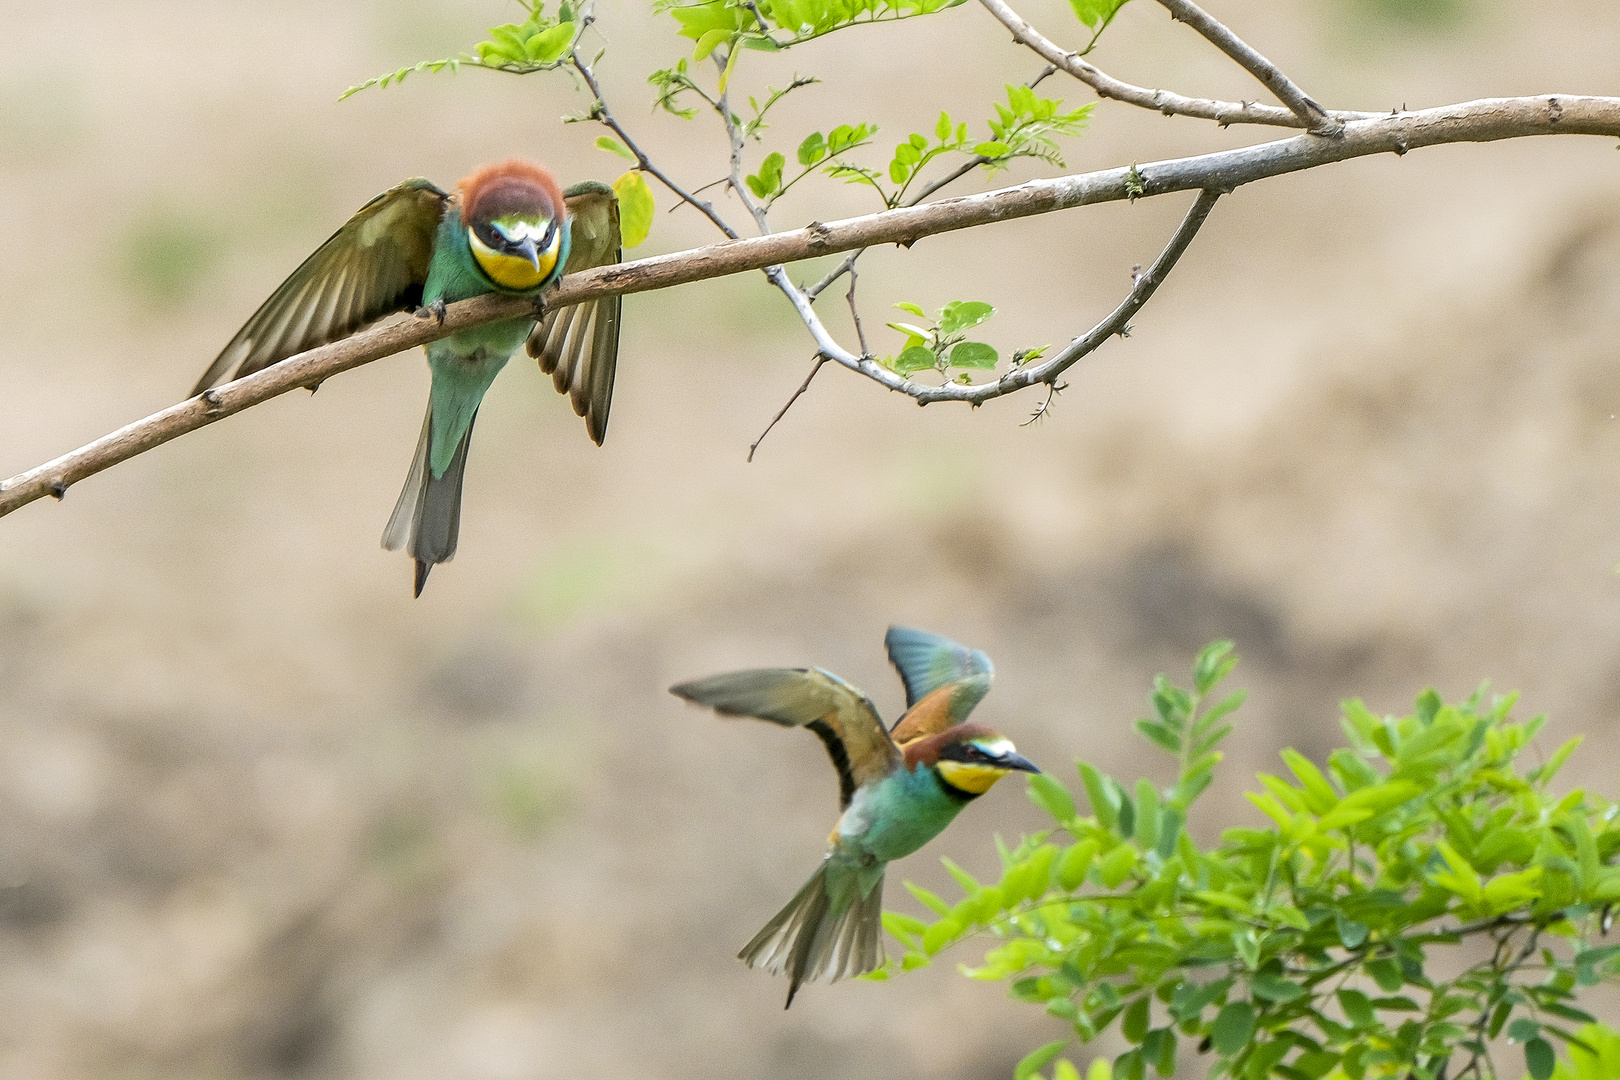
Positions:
(840, 715)
(578, 346)
(930, 716)
(373, 266)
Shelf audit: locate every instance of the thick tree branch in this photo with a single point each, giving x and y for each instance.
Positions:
(1163, 101)
(1476, 121)
(1313, 116)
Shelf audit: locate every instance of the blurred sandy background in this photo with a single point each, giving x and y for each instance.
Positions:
(263, 815)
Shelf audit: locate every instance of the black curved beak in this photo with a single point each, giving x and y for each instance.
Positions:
(1018, 762)
(527, 249)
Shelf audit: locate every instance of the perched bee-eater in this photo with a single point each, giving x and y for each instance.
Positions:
(507, 228)
(898, 788)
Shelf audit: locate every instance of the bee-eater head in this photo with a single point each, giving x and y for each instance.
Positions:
(969, 757)
(515, 224)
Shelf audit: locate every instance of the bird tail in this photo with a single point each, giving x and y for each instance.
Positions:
(428, 514)
(828, 931)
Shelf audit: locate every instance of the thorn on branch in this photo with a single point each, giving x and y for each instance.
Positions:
(59, 489)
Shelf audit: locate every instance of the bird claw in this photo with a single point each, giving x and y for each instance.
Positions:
(539, 308)
(433, 311)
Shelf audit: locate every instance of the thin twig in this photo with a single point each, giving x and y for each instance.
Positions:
(1162, 101)
(603, 115)
(1118, 320)
(1476, 121)
(820, 359)
(855, 314)
(736, 140)
(1316, 119)
(848, 265)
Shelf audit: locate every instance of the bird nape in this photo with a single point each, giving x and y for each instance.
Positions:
(507, 228)
(898, 789)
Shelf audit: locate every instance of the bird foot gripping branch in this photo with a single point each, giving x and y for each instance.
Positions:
(898, 788)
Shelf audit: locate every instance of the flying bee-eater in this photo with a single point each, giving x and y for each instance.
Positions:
(898, 788)
(508, 228)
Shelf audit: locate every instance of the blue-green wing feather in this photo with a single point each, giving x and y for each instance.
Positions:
(928, 661)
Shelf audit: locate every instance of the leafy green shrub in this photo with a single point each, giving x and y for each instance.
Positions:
(1308, 948)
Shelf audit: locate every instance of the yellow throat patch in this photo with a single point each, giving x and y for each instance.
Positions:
(971, 777)
(514, 271)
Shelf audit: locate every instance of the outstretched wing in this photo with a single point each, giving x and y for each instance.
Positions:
(578, 346)
(841, 715)
(944, 681)
(927, 661)
(373, 266)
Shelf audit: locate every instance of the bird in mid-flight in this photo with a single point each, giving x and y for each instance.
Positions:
(507, 228)
(898, 788)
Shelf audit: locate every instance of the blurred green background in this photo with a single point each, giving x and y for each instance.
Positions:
(262, 815)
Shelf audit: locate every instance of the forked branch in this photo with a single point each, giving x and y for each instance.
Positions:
(1477, 121)
(1311, 115)
(1161, 101)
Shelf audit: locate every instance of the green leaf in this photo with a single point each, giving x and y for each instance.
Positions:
(1357, 1009)
(903, 927)
(1319, 794)
(928, 899)
(1038, 1059)
(992, 150)
(1160, 734)
(963, 878)
(973, 354)
(939, 935)
(942, 128)
(551, 45)
(916, 358)
(1117, 865)
(613, 146)
(1275, 988)
(1351, 933)
(636, 207)
(1523, 1029)
(1134, 1024)
(914, 309)
(768, 181)
(709, 42)
(1147, 814)
(1214, 663)
(1387, 974)
(1105, 808)
(1075, 863)
(959, 315)
(1052, 797)
(1539, 1059)
(1233, 1028)
(813, 150)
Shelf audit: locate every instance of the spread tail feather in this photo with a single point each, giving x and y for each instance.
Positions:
(827, 932)
(428, 514)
